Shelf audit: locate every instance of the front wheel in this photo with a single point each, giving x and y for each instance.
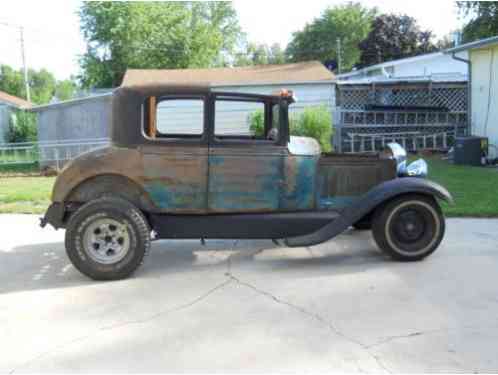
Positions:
(107, 239)
(409, 228)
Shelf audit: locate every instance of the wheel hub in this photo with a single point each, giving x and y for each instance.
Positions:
(107, 241)
(410, 226)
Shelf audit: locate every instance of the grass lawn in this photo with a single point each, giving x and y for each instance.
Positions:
(25, 194)
(475, 190)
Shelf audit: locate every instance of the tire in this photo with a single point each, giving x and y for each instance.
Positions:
(409, 228)
(107, 238)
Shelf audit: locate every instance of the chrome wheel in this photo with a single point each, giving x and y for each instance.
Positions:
(106, 240)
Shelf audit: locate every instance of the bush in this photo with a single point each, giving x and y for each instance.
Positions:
(257, 123)
(22, 127)
(313, 122)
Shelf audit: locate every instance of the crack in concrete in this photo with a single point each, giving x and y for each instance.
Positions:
(404, 336)
(118, 325)
(230, 279)
(169, 311)
(312, 315)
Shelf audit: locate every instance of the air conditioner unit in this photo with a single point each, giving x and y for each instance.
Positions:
(471, 150)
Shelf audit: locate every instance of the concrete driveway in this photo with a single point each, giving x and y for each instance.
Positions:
(249, 306)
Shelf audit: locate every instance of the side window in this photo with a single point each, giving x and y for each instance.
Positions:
(240, 119)
(177, 118)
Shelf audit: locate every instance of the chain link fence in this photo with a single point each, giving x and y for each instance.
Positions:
(47, 154)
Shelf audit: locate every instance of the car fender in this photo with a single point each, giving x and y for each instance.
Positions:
(372, 199)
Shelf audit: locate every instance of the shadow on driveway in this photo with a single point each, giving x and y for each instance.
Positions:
(46, 266)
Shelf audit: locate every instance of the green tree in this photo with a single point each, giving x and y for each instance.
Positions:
(394, 37)
(483, 19)
(42, 83)
(349, 23)
(154, 35)
(65, 90)
(260, 54)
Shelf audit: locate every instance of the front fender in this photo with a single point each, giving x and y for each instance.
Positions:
(372, 199)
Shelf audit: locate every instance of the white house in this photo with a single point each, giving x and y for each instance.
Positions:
(437, 66)
(482, 58)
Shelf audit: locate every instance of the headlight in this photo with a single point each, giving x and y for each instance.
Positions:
(396, 152)
(418, 168)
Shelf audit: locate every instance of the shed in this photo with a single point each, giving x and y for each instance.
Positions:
(9, 104)
(89, 118)
(483, 81)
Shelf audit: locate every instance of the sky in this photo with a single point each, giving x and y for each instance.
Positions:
(53, 39)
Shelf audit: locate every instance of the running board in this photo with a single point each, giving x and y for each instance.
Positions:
(243, 226)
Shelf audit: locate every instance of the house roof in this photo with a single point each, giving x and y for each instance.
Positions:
(474, 45)
(14, 100)
(304, 72)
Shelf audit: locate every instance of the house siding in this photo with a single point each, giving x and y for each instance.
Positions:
(485, 95)
(439, 65)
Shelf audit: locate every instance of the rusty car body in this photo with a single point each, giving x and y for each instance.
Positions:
(209, 185)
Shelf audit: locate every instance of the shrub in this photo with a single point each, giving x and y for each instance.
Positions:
(257, 123)
(313, 122)
(22, 127)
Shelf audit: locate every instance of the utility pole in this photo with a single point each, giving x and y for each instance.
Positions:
(25, 68)
(339, 62)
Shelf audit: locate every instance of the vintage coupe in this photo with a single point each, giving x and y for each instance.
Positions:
(182, 164)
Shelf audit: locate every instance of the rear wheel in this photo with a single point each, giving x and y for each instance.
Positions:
(409, 228)
(107, 239)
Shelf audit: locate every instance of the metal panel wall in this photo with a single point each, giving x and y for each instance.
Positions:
(75, 121)
(4, 122)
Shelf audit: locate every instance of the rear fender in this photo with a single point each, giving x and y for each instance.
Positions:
(378, 195)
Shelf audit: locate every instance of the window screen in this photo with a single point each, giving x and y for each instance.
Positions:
(176, 117)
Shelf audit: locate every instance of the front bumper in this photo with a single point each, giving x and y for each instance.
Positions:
(54, 216)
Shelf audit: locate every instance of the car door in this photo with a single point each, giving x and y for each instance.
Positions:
(245, 170)
(175, 161)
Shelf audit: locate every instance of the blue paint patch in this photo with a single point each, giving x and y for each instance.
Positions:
(188, 197)
(301, 188)
(244, 183)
